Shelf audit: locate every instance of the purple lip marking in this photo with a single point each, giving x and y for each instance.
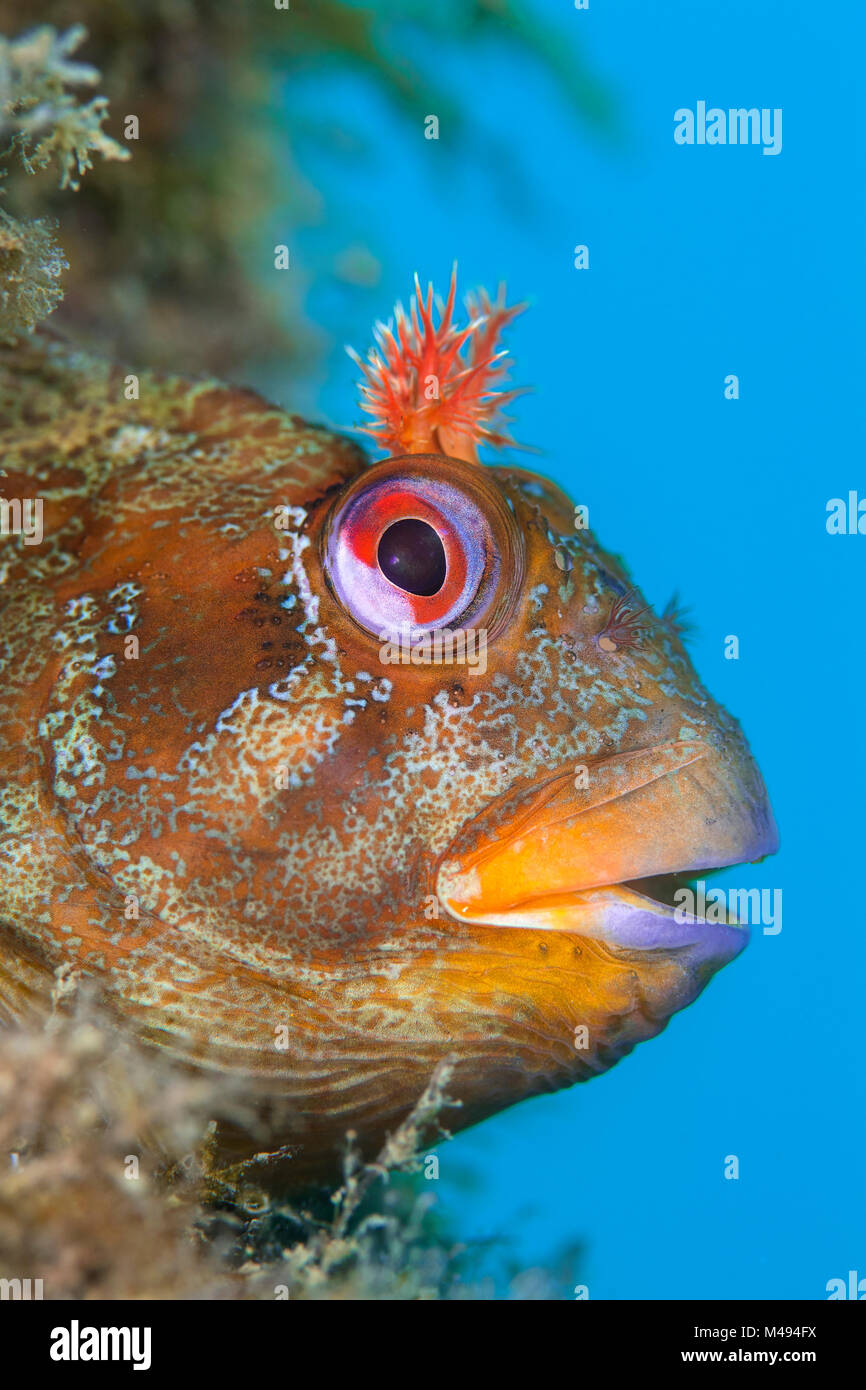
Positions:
(647, 929)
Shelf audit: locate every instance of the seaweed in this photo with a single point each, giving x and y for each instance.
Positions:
(168, 262)
(104, 1191)
(31, 264)
(43, 124)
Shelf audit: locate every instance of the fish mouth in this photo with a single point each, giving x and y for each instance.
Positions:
(585, 853)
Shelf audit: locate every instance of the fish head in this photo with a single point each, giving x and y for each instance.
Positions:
(327, 772)
(524, 786)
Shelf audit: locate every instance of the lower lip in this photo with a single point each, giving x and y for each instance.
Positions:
(626, 920)
(630, 925)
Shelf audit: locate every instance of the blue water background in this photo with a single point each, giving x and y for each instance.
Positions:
(703, 262)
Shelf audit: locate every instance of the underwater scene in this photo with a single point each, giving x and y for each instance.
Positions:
(432, 534)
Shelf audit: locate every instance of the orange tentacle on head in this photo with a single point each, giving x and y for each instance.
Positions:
(437, 388)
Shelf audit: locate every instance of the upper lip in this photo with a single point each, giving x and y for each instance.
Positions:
(556, 856)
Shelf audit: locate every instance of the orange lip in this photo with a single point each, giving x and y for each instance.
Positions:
(539, 858)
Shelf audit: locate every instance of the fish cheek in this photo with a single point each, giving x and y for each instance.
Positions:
(179, 756)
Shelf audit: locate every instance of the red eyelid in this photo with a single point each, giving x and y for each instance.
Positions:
(397, 505)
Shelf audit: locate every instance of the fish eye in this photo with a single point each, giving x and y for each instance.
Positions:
(424, 540)
(412, 556)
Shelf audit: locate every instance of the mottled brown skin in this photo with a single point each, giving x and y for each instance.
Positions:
(299, 907)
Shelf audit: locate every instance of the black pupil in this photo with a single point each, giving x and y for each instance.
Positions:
(412, 556)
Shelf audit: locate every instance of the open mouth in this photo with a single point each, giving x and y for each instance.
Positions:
(678, 890)
(611, 861)
(626, 918)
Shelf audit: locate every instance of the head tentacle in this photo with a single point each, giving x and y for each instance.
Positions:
(437, 388)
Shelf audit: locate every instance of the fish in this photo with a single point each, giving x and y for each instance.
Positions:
(326, 771)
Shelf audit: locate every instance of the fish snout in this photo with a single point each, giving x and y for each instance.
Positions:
(570, 854)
